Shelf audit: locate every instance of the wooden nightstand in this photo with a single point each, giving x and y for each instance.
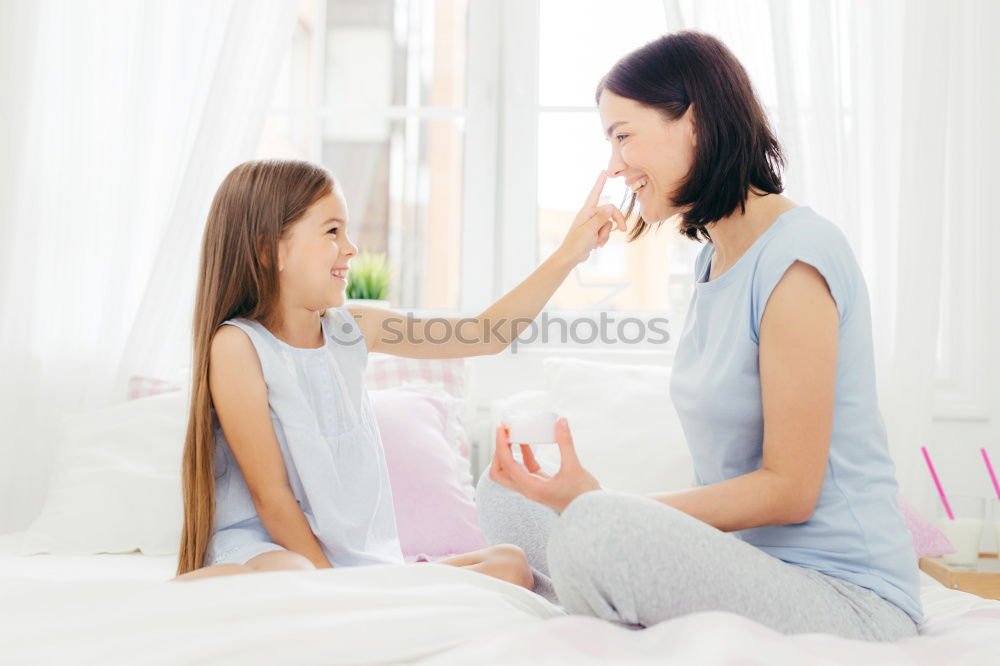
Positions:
(984, 581)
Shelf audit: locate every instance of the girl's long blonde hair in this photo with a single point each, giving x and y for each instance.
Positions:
(252, 209)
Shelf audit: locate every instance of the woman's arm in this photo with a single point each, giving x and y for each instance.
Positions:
(489, 333)
(759, 498)
(798, 373)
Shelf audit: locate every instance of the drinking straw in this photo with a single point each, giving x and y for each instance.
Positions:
(944, 500)
(989, 468)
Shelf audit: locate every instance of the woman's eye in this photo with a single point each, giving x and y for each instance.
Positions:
(619, 137)
(333, 231)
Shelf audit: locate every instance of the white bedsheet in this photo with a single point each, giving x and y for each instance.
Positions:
(119, 609)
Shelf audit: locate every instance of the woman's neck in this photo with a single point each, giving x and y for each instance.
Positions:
(733, 235)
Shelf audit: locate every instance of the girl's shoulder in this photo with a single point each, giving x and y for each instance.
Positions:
(247, 325)
(231, 328)
(234, 348)
(239, 335)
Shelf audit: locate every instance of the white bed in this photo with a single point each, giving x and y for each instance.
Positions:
(121, 609)
(115, 487)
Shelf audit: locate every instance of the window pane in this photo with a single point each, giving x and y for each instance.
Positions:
(579, 41)
(291, 135)
(403, 184)
(401, 172)
(395, 53)
(650, 274)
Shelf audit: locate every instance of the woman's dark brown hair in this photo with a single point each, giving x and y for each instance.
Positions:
(253, 207)
(735, 150)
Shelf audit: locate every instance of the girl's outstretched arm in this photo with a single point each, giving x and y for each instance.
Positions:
(489, 333)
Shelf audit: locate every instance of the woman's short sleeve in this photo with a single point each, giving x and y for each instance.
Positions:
(819, 243)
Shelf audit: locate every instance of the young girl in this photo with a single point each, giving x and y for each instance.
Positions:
(283, 467)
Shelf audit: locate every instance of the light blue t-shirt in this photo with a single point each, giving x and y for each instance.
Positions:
(857, 531)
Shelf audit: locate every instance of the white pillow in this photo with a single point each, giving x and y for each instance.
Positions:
(625, 429)
(115, 483)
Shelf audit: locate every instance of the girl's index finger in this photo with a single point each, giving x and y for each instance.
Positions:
(595, 194)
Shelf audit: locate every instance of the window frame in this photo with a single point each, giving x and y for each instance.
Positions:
(517, 26)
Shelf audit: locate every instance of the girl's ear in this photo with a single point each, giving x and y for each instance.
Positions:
(259, 245)
(282, 250)
(264, 259)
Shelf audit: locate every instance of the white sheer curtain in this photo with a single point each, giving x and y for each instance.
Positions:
(879, 108)
(119, 120)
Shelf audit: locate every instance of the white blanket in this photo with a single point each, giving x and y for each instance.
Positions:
(121, 609)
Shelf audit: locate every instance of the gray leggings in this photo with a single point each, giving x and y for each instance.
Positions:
(634, 561)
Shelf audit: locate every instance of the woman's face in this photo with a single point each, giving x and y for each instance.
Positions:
(314, 254)
(652, 152)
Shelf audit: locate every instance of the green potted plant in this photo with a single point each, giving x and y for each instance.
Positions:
(368, 280)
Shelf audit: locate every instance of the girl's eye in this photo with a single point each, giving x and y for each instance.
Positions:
(619, 137)
(333, 231)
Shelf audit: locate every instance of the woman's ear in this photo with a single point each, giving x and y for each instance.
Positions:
(689, 114)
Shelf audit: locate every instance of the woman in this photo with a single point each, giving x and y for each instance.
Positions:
(794, 521)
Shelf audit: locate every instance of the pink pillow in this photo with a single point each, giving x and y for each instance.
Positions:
(928, 541)
(385, 371)
(431, 482)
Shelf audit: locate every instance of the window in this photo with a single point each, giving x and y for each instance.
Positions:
(575, 49)
(465, 137)
(375, 91)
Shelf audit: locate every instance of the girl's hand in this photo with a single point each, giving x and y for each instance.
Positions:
(556, 491)
(592, 226)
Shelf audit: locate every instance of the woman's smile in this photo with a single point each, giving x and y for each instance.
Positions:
(637, 184)
(638, 187)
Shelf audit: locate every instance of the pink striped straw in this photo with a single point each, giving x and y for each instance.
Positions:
(989, 468)
(944, 500)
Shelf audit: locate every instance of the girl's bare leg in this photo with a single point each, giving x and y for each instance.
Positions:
(215, 570)
(504, 561)
(273, 560)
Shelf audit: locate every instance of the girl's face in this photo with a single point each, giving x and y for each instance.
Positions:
(652, 152)
(314, 254)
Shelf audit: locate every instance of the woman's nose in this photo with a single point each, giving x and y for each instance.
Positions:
(616, 165)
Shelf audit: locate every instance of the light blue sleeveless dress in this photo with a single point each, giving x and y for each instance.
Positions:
(857, 531)
(330, 443)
